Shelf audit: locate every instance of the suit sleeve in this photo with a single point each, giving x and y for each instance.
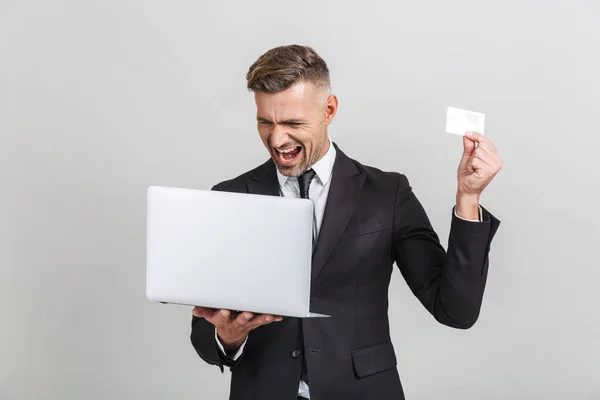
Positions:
(205, 344)
(450, 284)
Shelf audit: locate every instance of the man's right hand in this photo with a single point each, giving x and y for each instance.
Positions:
(231, 329)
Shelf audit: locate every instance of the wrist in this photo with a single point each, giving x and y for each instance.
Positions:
(231, 345)
(467, 206)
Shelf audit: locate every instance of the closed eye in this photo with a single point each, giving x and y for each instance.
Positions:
(264, 122)
(290, 123)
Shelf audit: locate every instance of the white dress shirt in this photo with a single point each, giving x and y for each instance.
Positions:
(318, 192)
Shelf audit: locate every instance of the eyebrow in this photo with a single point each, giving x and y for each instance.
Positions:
(284, 122)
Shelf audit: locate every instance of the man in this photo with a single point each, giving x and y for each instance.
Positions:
(365, 220)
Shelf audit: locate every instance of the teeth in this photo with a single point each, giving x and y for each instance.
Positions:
(287, 150)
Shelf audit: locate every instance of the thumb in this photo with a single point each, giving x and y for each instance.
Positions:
(469, 146)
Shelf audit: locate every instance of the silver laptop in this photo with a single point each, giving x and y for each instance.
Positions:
(242, 252)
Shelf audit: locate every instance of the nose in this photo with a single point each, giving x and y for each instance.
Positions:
(278, 136)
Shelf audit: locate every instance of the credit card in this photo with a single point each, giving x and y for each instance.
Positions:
(460, 121)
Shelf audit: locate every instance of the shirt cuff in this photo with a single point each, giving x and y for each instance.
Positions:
(237, 354)
(470, 220)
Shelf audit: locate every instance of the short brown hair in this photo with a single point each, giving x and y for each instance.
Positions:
(282, 67)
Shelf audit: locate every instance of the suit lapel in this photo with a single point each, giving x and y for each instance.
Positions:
(346, 184)
(264, 181)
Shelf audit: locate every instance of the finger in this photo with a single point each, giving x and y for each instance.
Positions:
(475, 136)
(203, 312)
(477, 164)
(488, 153)
(487, 142)
(482, 141)
(221, 318)
(482, 149)
(243, 319)
(264, 320)
(488, 147)
(483, 156)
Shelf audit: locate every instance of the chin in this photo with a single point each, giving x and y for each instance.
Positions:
(291, 171)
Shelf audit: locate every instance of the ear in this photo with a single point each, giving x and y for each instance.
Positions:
(331, 106)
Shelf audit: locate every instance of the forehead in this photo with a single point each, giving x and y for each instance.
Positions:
(294, 100)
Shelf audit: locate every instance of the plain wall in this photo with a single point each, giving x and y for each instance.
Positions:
(99, 100)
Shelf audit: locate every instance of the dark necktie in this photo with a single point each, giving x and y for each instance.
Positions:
(304, 181)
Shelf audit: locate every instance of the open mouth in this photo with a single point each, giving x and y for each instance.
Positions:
(286, 156)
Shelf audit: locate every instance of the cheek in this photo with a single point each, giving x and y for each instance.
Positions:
(309, 138)
(315, 139)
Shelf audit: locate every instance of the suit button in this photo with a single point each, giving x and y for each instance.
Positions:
(296, 353)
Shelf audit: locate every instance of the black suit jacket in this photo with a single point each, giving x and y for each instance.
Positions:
(372, 219)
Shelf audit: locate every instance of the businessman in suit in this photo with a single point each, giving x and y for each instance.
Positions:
(365, 220)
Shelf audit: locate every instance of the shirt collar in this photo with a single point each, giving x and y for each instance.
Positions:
(323, 167)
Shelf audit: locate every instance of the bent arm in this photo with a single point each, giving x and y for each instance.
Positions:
(449, 284)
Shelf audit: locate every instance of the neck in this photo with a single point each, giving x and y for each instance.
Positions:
(324, 151)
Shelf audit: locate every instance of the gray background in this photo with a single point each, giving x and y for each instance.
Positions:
(100, 99)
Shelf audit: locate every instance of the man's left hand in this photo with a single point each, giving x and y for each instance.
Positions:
(479, 164)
